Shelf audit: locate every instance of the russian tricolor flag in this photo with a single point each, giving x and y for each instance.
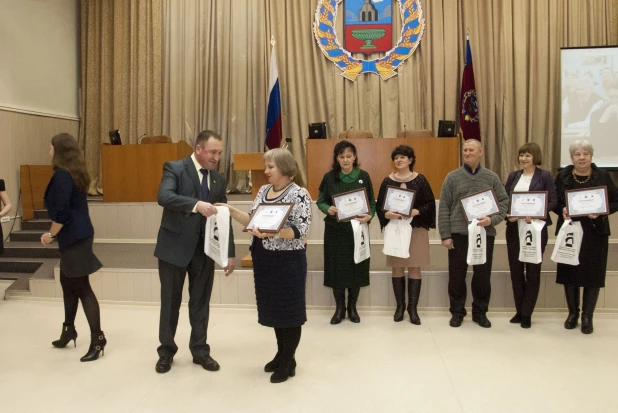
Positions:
(273, 116)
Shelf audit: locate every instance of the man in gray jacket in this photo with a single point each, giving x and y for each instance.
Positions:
(188, 190)
(453, 226)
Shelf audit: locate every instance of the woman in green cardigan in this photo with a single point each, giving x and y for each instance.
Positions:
(340, 271)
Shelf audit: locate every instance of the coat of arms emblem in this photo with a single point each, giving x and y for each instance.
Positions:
(368, 29)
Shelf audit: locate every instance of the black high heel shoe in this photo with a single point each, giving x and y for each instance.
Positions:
(68, 334)
(283, 372)
(97, 346)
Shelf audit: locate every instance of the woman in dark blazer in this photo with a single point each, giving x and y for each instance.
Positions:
(590, 273)
(529, 178)
(65, 199)
(5, 208)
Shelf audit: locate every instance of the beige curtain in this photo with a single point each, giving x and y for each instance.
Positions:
(121, 56)
(217, 55)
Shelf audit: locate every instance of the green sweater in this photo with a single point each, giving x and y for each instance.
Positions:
(459, 183)
(354, 180)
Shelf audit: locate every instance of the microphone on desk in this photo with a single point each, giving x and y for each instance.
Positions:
(404, 131)
(346, 132)
(140, 138)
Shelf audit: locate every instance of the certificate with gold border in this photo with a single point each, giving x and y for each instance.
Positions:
(587, 201)
(351, 204)
(269, 218)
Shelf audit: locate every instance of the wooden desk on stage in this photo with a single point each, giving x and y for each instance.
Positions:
(251, 162)
(132, 173)
(435, 158)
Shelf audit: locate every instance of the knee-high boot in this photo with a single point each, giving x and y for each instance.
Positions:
(590, 302)
(572, 298)
(414, 292)
(339, 294)
(352, 297)
(399, 288)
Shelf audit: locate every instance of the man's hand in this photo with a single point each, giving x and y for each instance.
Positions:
(205, 208)
(231, 264)
(448, 243)
(484, 222)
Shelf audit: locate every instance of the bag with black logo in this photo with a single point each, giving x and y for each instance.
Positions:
(361, 241)
(530, 241)
(568, 243)
(217, 235)
(477, 244)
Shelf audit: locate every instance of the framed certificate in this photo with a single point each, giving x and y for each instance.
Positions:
(588, 201)
(531, 204)
(269, 217)
(351, 204)
(399, 200)
(479, 204)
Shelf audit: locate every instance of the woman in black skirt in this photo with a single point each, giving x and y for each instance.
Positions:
(590, 273)
(5, 208)
(65, 199)
(280, 261)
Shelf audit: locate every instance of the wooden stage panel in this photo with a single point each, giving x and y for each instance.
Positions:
(435, 158)
(132, 173)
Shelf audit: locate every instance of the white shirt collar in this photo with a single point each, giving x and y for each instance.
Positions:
(197, 166)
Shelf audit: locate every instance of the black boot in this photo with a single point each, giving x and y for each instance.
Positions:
(399, 288)
(284, 371)
(414, 292)
(68, 334)
(590, 302)
(272, 365)
(97, 346)
(572, 298)
(352, 297)
(339, 294)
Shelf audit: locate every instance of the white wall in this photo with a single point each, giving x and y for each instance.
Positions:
(39, 57)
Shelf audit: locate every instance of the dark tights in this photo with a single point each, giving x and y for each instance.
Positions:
(75, 289)
(287, 342)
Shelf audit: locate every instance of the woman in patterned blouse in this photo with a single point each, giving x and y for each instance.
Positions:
(280, 261)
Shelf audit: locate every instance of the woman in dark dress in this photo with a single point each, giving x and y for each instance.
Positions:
(280, 261)
(424, 218)
(65, 199)
(529, 178)
(340, 271)
(590, 273)
(5, 208)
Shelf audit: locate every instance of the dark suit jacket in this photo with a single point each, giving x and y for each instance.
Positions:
(541, 181)
(180, 229)
(67, 205)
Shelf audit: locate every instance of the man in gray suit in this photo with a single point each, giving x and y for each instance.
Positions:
(188, 190)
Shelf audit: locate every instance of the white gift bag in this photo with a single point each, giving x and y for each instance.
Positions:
(361, 241)
(568, 243)
(477, 244)
(530, 241)
(217, 235)
(397, 234)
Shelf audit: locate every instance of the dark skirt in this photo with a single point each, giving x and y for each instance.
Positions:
(78, 260)
(592, 263)
(280, 279)
(340, 271)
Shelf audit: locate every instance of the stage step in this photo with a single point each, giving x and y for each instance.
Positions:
(20, 265)
(26, 236)
(41, 225)
(30, 250)
(41, 214)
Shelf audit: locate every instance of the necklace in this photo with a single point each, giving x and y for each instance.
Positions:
(584, 181)
(281, 189)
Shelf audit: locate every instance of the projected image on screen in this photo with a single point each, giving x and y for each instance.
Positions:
(590, 102)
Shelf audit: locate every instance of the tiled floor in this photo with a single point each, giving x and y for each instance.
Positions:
(376, 366)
